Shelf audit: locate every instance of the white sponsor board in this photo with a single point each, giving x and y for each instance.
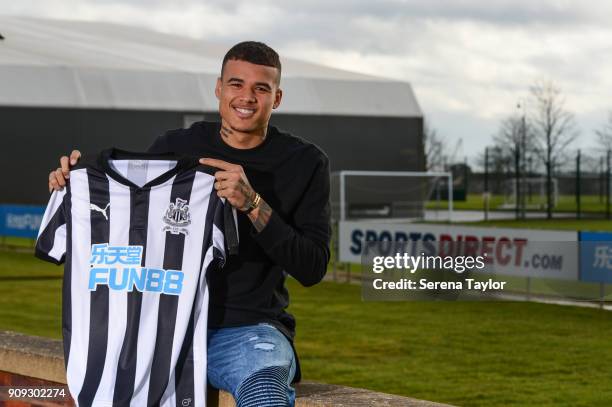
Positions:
(515, 252)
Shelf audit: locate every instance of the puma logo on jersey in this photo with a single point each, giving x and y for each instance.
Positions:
(96, 208)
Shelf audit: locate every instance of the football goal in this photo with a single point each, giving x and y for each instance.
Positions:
(530, 191)
(390, 194)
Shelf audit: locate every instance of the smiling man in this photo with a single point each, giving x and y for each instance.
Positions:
(280, 186)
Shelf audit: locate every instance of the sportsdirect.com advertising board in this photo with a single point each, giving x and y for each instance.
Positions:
(512, 252)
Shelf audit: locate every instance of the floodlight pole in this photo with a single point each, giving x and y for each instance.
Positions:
(522, 154)
(517, 181)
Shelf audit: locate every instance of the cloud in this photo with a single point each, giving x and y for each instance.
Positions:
(468, 60)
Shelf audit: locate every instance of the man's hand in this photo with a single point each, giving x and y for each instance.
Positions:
(232, 183)
(57, 178)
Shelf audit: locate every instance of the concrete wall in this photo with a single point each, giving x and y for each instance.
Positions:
(28, 361)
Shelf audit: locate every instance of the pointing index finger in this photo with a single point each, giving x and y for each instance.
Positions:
(224, 165)
(74, 157)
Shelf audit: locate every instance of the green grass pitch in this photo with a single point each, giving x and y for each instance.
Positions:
(566, 203)
(463, 353)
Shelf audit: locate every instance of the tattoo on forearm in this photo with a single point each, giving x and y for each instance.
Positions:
(248, 192)
(263, 216)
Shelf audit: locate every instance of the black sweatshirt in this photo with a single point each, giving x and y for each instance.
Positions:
(292, 176)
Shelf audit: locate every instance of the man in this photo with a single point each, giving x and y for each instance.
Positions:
(280, 186)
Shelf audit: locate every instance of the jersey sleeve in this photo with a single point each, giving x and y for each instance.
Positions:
(51, 241)
(224, 236)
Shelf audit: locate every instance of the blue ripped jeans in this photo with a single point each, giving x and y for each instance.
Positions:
(254, 363)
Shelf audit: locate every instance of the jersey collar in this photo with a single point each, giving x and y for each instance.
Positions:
(182, 163)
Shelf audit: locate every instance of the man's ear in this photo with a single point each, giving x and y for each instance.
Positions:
(277, 98)
(218, 87)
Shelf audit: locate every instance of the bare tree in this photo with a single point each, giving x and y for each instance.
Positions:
(554, 130)
(604, 134)
(515, 146)
(516, 136)
(499, 163)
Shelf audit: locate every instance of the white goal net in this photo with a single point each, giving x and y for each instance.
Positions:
(390, 194)
(529, 193)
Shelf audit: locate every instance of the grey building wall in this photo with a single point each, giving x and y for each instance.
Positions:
(34, 138)
(362, 143)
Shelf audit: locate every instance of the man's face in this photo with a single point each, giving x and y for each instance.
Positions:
(247, 94)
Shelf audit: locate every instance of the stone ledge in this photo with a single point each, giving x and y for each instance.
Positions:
(32, 356)
(42, 358)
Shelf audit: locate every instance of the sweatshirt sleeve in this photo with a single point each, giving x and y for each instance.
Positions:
(303, 248)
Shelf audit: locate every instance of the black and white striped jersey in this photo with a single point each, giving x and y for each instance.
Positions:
(137, 232)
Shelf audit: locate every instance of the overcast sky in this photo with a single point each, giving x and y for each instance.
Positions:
(469, 61)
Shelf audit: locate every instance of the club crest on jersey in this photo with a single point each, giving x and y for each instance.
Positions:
(177, 217)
